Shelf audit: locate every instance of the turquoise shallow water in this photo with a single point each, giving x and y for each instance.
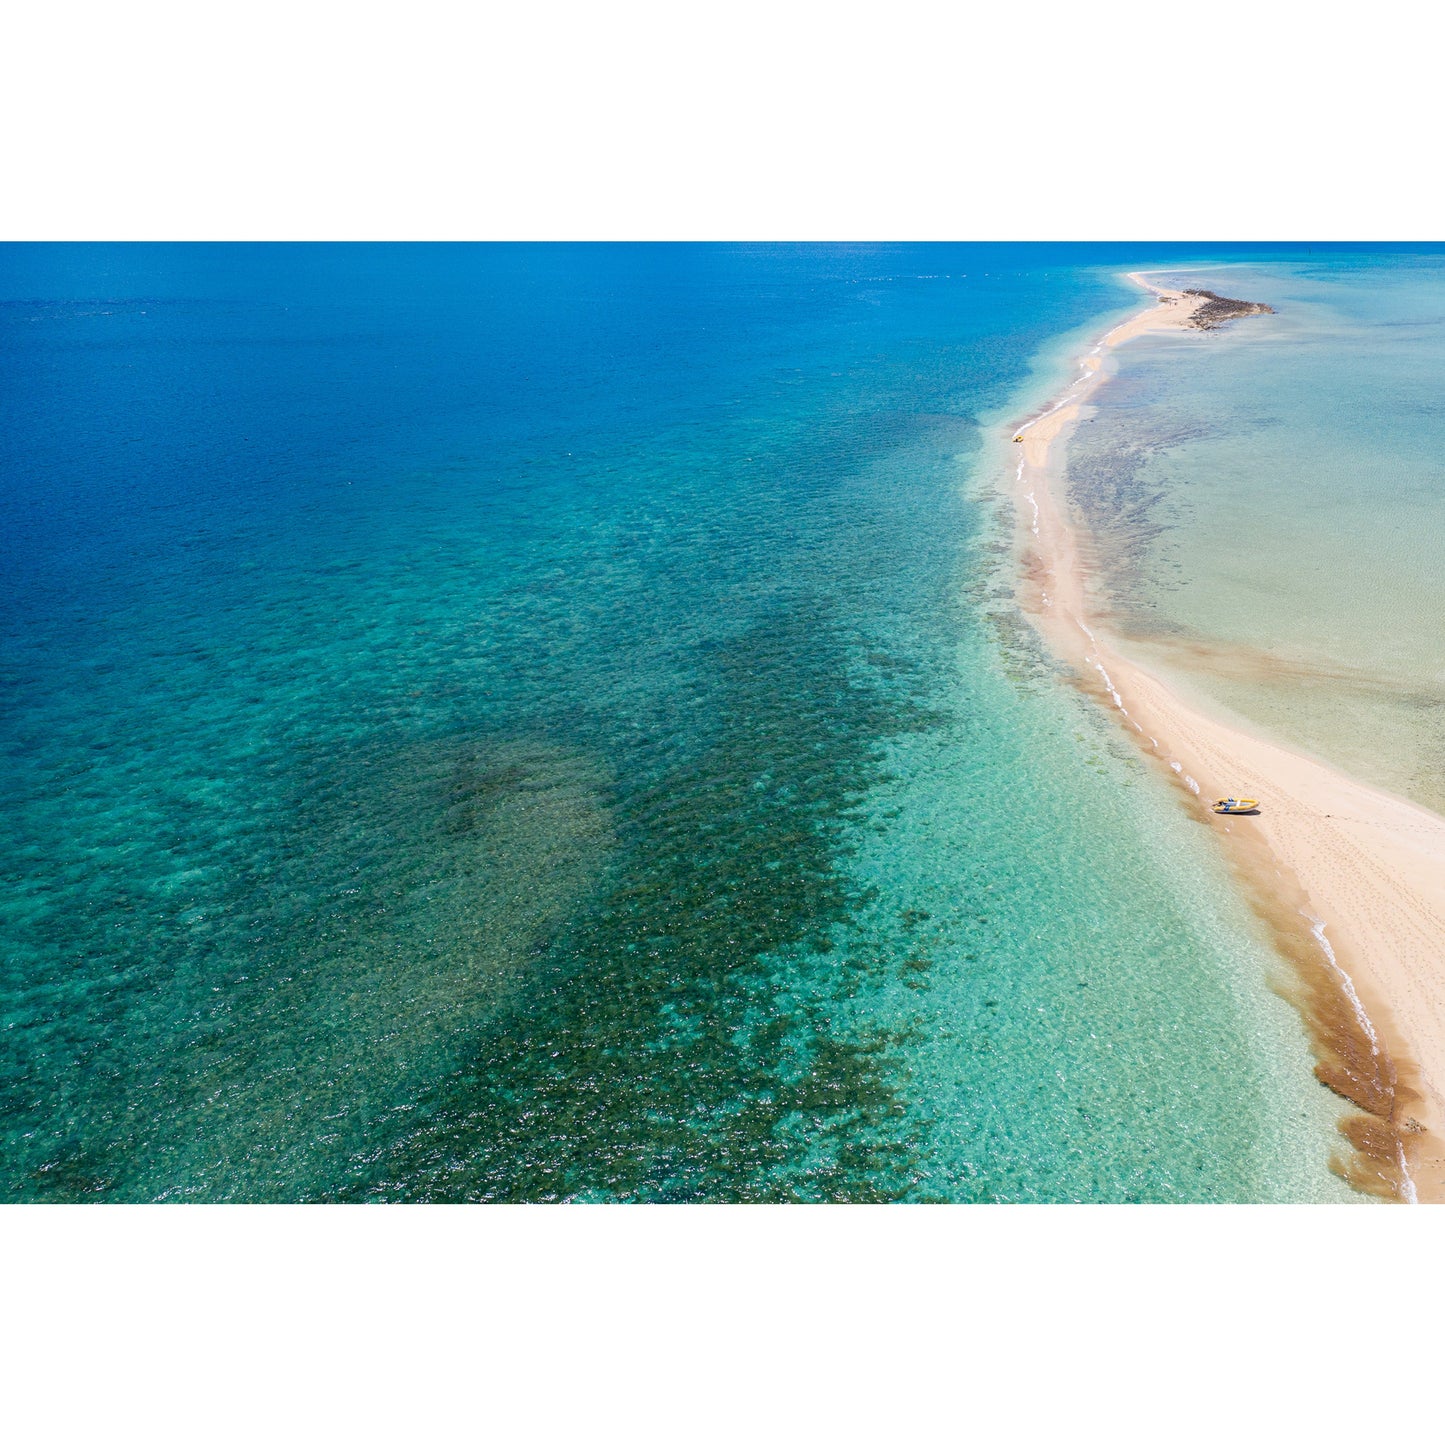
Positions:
(1277, 500)
(548, 723)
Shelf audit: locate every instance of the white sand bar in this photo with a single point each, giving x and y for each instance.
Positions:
(1351, 878)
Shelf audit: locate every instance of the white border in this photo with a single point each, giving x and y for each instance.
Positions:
(706, 1323)
(313, 119)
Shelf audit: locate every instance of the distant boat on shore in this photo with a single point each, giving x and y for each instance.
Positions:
(1236, 805)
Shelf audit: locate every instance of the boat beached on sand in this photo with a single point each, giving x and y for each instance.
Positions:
(1236, 805)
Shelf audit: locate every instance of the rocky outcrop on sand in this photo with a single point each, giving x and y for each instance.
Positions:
(1215, 310)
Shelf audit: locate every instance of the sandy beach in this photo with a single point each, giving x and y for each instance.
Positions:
(1350, 879)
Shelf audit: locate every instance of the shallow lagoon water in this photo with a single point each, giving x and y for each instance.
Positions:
(1276, 501)
(548, 723)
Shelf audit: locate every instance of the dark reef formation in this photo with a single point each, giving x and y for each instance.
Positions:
(1216, 309)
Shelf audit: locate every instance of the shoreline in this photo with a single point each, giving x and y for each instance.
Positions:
(1349, 879)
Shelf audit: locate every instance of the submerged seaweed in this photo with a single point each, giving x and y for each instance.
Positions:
(690, 1038)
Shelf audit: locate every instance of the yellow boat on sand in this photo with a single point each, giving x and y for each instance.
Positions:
(1236, 805)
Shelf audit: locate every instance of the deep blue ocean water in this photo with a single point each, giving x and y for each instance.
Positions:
(547, 722)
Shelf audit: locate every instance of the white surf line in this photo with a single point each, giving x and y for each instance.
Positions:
(1102, 670)
(1059, 405)
(1179, 768)
(1407, 1184)
(1045, 414)
(1317, 928)
(1092, 374)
